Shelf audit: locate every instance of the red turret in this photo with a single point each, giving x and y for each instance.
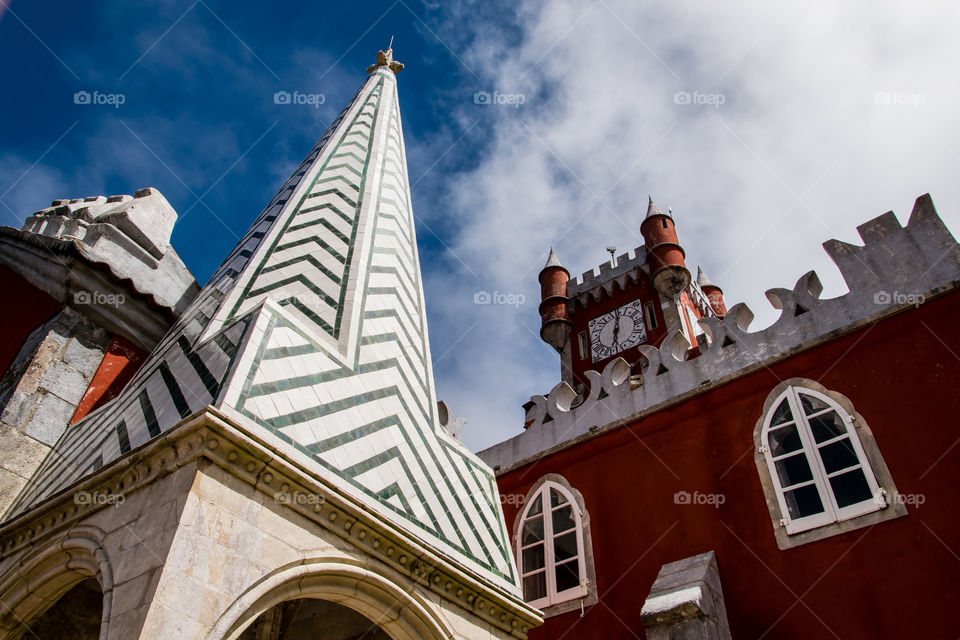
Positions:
(555, 321)
(713, 292)
(664, 253)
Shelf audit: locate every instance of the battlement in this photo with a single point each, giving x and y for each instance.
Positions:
(591, 283)
(897, 267)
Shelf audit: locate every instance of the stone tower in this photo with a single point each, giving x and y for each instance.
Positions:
(293, 404)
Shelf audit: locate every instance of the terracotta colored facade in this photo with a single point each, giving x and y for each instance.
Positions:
(892, 580)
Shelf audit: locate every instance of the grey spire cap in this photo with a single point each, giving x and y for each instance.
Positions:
(553, 261)
(703, 280)
(653, 209)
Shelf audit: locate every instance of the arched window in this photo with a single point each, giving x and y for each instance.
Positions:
(550, 547)
(815, 460)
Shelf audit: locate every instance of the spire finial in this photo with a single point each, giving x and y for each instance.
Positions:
(385, 59)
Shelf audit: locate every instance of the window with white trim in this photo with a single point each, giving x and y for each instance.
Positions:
(816, 461)
(550, 547)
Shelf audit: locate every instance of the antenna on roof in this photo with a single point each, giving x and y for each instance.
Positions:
(612, 251)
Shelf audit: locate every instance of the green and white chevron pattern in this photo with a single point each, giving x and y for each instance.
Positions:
(314, 328)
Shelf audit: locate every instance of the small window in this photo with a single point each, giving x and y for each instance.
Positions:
(664, 221)
(550, 547)
(651, 315)
(582, 340)
(819, 464)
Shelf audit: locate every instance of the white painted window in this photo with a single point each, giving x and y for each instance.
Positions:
(550, 547)
(816, 461)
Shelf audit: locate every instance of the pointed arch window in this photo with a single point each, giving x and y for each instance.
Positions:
(820, 462)
(550, 547)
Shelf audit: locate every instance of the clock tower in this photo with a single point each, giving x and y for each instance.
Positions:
(635, 299)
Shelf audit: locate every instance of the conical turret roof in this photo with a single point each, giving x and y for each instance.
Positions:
(703, 280)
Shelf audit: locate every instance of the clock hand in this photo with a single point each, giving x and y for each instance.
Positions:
(616, 329)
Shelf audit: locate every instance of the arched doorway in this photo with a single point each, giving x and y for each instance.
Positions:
(76, 615)
(307, 618)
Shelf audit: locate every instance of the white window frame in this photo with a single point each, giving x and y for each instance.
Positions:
(886, 504)
(552, 597)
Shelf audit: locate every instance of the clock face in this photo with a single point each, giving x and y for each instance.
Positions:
(617, 331)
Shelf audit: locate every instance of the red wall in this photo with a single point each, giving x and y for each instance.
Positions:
(895, 580)
(24, 309)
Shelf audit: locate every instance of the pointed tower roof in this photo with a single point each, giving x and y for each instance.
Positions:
(703, 280)
(554, 261)
(313, 335)
(653, 209)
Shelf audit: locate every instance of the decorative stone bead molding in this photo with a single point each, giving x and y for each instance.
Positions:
(259, 460)
(896, 269)
(592, 284)
(686, 602)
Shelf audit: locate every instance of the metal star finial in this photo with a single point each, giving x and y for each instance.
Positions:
(385, 59)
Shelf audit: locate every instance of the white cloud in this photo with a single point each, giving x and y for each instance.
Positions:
(802, 149)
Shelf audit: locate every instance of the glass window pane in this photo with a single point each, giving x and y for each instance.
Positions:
(827, 426)
(793, 470)
(811, 404)
(568, 576)
(850, 488)
(532, 531)
(565, 546)
(804, 501)
(536, 506)
(563, 519)
(535, 587)
(533, 559)
(557, 498)
(784, 440)
(838, 455)
(782, 414)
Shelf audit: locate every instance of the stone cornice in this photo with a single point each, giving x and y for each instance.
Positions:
(213, 436)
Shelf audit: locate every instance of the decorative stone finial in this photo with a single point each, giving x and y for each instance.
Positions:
(385, 59)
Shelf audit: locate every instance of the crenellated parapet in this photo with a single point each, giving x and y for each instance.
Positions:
(592, 284)
(896, 268)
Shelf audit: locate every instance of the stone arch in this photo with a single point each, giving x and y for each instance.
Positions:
(401, 614)
(44, 575)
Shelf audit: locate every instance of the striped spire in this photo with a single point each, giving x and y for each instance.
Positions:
(314, 329)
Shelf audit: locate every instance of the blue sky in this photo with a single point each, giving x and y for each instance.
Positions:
(801, 120)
